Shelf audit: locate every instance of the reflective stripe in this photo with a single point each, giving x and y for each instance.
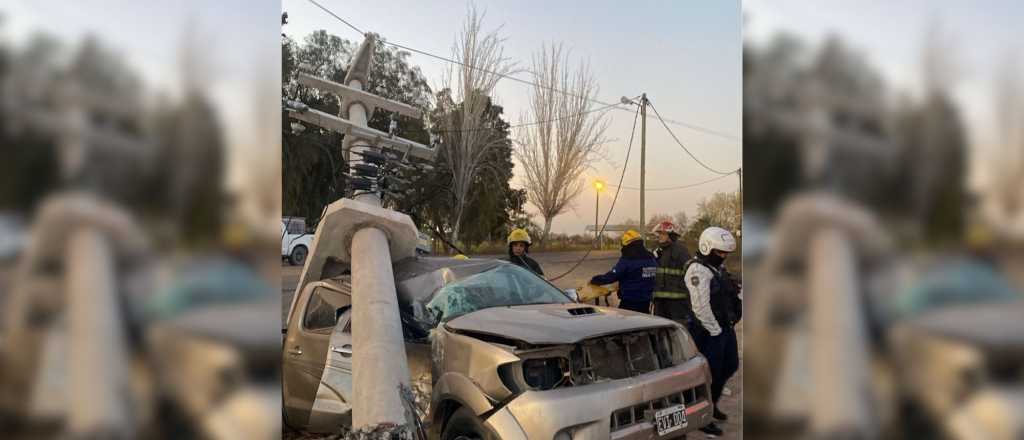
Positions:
(671, 295)
(671, 271)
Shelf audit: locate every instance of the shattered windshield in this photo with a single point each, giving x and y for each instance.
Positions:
(952, 283)
(503, 285)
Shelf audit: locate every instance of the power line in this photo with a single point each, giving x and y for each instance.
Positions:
(614, 199)
(705, 130)
(723, 173)
(526, 124)
(672, 188)
(336, 16)
(523, 81)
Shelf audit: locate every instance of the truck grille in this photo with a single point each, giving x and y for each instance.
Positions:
(625, 417)
(625, 355)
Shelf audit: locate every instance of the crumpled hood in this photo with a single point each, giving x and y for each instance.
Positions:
(541, 324)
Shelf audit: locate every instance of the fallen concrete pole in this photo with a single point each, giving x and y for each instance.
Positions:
(379, 366)
(840, 367)
(99, 380)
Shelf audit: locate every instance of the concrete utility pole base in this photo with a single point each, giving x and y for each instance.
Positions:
(99, 400)
(378, 338)
(343, 219)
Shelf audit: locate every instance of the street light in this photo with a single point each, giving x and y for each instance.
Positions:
(598, 187)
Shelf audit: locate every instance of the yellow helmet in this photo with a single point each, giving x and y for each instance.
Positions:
(979, 236)
(519, 234)
(630, 236)
(460, 257)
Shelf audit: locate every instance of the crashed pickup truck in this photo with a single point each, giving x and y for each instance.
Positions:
(497, 352)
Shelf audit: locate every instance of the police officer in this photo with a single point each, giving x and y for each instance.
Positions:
(635, 272)
(716, 307)
(518, 245)
(671, 297)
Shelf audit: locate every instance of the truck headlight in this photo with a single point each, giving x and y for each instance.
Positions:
(543, 373)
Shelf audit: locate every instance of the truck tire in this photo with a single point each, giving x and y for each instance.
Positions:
(298, 255)
(464, 425)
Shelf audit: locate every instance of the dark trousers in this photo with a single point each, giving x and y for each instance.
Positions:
(722, 353)
(675, 309)
(634, 305)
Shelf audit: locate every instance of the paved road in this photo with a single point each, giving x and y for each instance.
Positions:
(555, 264)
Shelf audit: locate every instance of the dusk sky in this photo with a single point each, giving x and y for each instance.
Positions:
(238, 47)
(891, 35)
(685, 55)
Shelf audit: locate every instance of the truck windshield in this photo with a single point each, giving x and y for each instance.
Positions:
(504, 285)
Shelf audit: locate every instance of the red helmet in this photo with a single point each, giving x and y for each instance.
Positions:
(666, 227)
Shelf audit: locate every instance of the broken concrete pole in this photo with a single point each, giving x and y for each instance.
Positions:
(98, 387)
(840, 367)
(379, 365)
(376, 334)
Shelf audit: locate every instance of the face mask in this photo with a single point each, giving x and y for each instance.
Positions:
(715, 260)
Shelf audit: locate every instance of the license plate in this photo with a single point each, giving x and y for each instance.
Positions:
(670, 419)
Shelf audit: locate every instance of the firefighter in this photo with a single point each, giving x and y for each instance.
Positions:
(671, 298)
(635, 272)
(716, 308)
(518, 246)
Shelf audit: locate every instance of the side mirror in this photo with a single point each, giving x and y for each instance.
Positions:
(572, 294)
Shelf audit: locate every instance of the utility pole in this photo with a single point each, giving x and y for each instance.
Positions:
(643, 154)
(369, 237)
(597, 202)
(88, 235)
(739, 176)
(598, 186)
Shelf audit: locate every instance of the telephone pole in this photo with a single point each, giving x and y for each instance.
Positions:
(739, 176)
(369, 237)
(643, 155)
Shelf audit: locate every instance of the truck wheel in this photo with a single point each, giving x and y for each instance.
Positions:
(298, 255)
(464, 425)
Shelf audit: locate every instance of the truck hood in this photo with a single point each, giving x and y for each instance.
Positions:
(544, 324)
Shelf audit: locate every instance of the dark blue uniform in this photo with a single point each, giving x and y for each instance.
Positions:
(635, 272)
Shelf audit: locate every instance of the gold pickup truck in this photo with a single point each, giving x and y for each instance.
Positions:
(496, 352)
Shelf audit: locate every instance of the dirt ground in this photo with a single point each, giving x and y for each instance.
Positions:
(555, 264)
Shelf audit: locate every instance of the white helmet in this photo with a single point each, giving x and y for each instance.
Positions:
(716, 238)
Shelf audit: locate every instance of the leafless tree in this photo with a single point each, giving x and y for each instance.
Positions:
(465, 130)
(722, 209)
(1008, 165)
(567, 137)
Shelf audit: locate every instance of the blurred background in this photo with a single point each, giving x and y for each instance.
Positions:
(139, 204)
(884, 220)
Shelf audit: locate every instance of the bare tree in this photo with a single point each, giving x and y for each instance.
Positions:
(654, 221)
(567, 137)
(682, 221)
(722, 209)
(1008, 164)
(467, 137)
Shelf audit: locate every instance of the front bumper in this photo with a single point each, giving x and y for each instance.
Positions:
(612, 409)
